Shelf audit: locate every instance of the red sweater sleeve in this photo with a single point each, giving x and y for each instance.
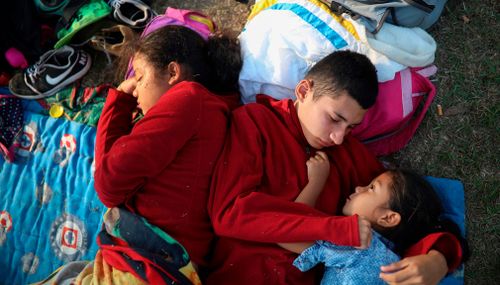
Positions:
(115, 121)
(446, 243)
(126, 159)
(242, 207)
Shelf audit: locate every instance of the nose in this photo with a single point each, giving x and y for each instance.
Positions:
(359, 189)
(134, 93)
(338, 134)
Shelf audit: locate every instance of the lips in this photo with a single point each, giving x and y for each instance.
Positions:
(322, 143)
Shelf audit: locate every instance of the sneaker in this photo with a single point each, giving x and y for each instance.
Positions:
(86, 15)
(51, 7)
(132, 12)
(112, 40)
(55, 69)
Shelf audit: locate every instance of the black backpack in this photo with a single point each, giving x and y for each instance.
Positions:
(406, 13)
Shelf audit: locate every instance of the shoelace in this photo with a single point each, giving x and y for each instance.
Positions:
(115, 3)
(101, 42)
(36, 69)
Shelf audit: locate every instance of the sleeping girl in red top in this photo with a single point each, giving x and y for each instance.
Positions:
(262, 170)
(160, 167)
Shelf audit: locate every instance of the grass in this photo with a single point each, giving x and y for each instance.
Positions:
(464, 142)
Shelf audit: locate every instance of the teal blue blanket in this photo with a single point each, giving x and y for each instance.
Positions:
(49, 211)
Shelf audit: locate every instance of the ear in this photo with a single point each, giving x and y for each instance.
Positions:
(174, 72)
(389, 219)
(302, 89)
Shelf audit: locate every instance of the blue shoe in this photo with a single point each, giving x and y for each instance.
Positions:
(51, 7)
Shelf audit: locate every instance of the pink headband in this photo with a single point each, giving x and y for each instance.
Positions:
(195, 21)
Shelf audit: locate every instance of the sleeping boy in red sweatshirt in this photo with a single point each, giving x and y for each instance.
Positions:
(262, 169)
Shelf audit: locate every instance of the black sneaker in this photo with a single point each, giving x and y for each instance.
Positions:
(54, 70)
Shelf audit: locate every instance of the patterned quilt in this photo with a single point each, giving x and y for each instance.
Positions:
(49, 211)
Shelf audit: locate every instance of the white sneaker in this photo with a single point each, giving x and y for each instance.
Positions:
(132, 12)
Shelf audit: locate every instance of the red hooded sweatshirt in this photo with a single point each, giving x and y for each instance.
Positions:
(261, 171)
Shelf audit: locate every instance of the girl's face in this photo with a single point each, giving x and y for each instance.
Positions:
(370, 201)
(151, 83)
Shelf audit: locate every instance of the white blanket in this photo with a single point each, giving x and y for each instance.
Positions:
(283, 39)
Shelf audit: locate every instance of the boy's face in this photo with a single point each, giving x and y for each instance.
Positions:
(370, 201)
(327, 120)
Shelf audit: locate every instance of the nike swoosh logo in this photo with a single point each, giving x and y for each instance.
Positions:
(60, 77)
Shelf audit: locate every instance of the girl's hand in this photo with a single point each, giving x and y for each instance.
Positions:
(318, 168)
(426, 269)
(365, 232)
(128, 86)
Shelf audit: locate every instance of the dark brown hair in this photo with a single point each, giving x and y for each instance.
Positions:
(421, 212)
(215, 63)
(345, 71)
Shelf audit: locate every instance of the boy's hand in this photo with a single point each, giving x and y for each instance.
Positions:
(427, 268)
(127, 86)
(318, 168)
(365, 232)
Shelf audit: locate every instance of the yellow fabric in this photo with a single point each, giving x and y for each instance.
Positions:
(190, 272)
(207, 22)
(98, 272)
(101, 273)
(264, 4)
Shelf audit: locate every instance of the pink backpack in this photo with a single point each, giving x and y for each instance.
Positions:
(196, 21)
(390, 124)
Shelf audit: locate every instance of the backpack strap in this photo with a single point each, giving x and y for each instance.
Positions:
(420, 4)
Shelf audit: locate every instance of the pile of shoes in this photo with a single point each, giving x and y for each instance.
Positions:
(102, 25)
(79, 16)
(79, 20)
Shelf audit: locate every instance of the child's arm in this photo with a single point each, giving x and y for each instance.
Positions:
(318, 169)
(127, 155)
